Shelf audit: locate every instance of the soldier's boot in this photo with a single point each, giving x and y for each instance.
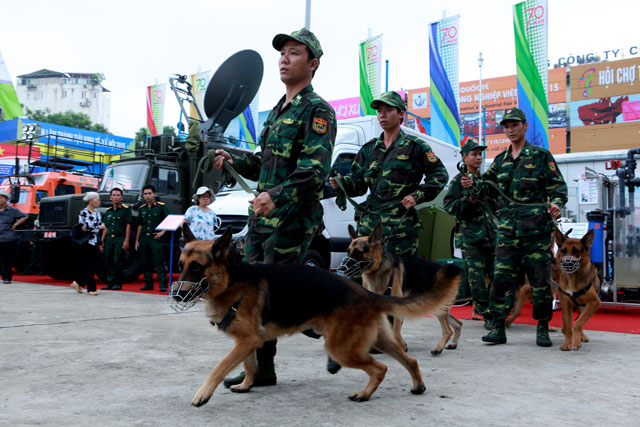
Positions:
(488, 321)
(497, 334)
(332, 366)
(542, 334)
(266, 375)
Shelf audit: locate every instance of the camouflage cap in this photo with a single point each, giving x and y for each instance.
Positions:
(470, 145)
(513, 114)
(303, 36)
(390, 98)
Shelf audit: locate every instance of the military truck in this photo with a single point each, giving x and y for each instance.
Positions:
(172, 167)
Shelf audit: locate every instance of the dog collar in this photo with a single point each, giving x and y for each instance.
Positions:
(229, 316)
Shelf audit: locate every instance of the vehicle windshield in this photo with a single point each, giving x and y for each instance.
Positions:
(125, 176)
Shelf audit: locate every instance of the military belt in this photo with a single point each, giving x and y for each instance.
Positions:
(116, 235)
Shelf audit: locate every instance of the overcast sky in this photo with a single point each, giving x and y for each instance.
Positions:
(135, 43)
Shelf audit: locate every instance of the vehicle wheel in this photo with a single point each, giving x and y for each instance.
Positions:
(314, 259)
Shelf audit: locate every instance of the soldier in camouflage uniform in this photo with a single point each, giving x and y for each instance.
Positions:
(148, 241)
(291, 168)
(525, 174)
(391, 167)
(115, 238)
(476, 232)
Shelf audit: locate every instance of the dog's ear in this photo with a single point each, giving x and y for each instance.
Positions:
(220, 247)
(376, 235)
(587, 239)
(560, 238)
(352, 232)
(187, 233)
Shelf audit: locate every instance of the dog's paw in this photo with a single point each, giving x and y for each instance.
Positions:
(566, 346)
(451, 346)
(436, 351)
(419, 389)
(359, 397)
(240, 388)
(200, 398)
(585, 338)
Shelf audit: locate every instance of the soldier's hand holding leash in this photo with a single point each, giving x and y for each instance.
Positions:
(408, 202)
(333, 183)
(220, 157)
(554, 210)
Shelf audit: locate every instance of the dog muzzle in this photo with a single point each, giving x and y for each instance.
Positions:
(184, 295)
(349, 267)
(570, 264)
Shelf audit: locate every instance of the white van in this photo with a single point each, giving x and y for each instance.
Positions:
(328, 249)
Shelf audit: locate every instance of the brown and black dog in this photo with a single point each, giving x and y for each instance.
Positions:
(401, 276)
(256, 303)
(578, 285)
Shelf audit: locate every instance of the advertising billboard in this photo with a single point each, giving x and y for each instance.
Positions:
(605, 105)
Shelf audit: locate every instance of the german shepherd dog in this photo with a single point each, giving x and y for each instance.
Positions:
(578, 285)
(256, 303)
(402, 276)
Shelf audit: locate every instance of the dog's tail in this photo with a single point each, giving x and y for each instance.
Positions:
(434, 300)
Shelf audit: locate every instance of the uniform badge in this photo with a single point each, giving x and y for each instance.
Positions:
(432, 157)
(287, 121)
(552, 166)
(319, 126)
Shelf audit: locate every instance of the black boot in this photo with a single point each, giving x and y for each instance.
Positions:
(497, 334)
(332, 366)
(542, 334)
(266, 374)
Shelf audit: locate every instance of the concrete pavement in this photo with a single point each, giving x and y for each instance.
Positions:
(126, 359)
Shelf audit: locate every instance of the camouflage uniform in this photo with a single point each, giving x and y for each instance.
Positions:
(475, 236)
(390, 174)
(150, 249)
(524, 233)
(292, 166)
(116, 221)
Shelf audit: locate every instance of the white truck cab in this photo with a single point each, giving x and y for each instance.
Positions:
(328, 248)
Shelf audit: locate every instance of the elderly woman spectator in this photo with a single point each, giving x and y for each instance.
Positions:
(201, 218)
(91, 222)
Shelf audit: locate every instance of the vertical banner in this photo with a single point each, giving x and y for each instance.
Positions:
(530, 25)
(248, 121)
(370, 73)
(443, 75)
(155, 108)
(9, 103)
(199, 83)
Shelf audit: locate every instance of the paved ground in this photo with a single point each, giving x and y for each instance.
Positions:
(126, 359)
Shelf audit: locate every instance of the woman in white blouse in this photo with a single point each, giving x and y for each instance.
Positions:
(201, 218)
(91, 222)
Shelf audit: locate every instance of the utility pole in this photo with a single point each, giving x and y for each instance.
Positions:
(307, 16)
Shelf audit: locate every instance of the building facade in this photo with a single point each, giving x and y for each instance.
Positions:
(61, 92)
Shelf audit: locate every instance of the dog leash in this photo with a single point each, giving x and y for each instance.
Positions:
(231, 171)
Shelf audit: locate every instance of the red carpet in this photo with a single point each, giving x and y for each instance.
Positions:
(608, 319)
(129, 287)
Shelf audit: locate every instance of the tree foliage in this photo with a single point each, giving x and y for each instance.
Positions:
(69, 118)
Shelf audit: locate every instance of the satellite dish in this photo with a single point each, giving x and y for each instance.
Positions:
(230, 91)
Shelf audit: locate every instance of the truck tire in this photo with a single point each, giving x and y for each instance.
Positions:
(313, 259)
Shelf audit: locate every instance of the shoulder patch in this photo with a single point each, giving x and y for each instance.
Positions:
(160, 203)
(431, 156)
(110, 208)
(319, 126)
(552, 166)
(125, 206)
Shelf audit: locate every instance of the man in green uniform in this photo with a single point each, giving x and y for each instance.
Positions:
(115, 238)
(148, 243)
(291, 168)
(476, 229)
(525, 174)
(391, 167)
